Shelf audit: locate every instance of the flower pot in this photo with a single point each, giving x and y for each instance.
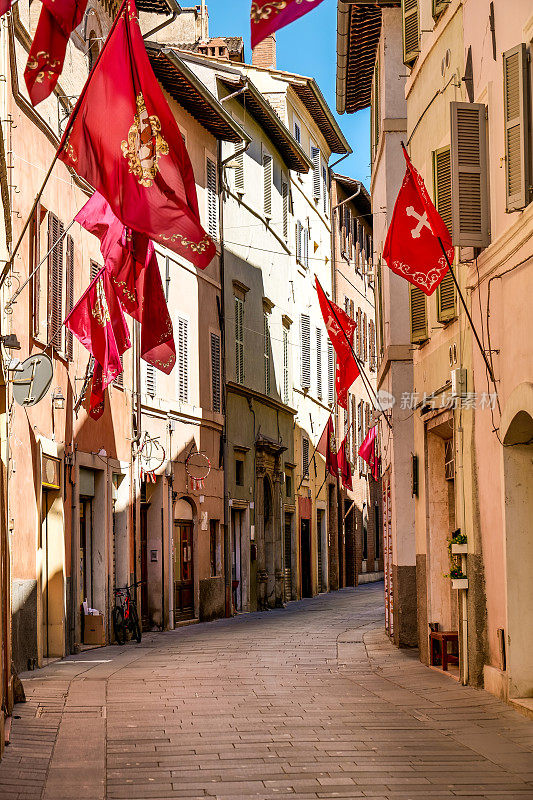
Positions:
(459, 583)
(458, 549)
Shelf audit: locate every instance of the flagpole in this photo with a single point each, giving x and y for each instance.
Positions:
(474, 331)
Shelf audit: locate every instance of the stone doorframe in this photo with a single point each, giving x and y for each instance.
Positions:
(269, 532)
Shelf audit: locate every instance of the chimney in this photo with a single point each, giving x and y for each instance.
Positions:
(264, 53)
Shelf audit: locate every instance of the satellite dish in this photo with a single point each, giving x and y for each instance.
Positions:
(33, 379)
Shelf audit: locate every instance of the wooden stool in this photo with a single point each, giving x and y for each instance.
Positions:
(443, 637)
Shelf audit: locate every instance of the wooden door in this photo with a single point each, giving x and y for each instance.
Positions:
(183, 571)
(305, 555)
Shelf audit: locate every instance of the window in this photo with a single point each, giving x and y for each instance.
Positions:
(285, 366)
(411, 31)
(377, 532)
(470, 208)
(119, 380)
(449, 460)
(95, 269)
(55, 282)
(306, 247)
(267, 185)
(239, 168)
(442, 184)
(379, 309)
(151, 381)
(365, 338)
(215, 373)
(266, 352)
(360, 436)
(297, 132)
(364, 554)
(212, 199)
(418, 314)
(285, 201)
(347, 236)
(305, 351)
(239, 471)
(515, 104)
(446, 302)
(359, 335)
(69, 347)
(319, 363)
(305, 457)
(315, 158)
(213, 527)
(325, 193)
(288, 484)
(35, 258)
(302, 244)
(372, 343)
(331, 373)
(239, 340)
(183, 360)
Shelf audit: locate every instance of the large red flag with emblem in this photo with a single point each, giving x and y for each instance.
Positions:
(327, 447)
(368, 453)
(344, 466)
(47, 53)
(268, 16)
(411, 248)
(123, 139)
(132, 264)
(341, 329)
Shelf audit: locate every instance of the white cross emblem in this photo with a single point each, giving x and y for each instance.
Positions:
(422, 221)
(332, 326)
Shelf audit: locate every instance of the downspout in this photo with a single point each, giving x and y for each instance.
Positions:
(176, 9)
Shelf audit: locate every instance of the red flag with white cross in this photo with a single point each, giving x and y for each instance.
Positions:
(412, 247)
(341, 329)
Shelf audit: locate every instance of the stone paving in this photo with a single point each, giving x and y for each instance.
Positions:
(306, 702)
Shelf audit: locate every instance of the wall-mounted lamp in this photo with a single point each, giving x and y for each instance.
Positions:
(10, 341)
(58, 400)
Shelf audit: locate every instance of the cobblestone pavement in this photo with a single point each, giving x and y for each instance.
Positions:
(305, 702)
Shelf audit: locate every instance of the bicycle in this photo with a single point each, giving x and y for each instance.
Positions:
(125, 616)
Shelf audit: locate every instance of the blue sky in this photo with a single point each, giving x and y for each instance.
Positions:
(308, 47)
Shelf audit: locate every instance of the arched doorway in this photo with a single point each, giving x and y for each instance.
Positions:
(518, 477)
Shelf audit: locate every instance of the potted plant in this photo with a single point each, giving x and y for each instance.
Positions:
(459, 580)
(458, 543)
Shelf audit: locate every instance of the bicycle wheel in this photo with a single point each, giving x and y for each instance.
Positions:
(118, 625)
(135, 628)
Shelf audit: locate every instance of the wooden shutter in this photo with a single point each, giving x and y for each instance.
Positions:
(379, 309)
(183, 360)
(239, 169)
(119, 380)
(438, 6)
(285, 366)
(94, 269)
(305, 351)
(411, 31)
(325, 196)
(305, 456)
(215, 373)
(239, 340)
(418, 313)
(299, 230)
(151, 380)
(69, 348)
(306, 247)
(267, 181)
(315, 158)
(372, 343)
(285, 200)
(442, 182)
(446, 302)
(359, 335)
(470, 206)
(515, 107)
(35, 257)
(212, 199)
(331, 373)
(266, 351)
(365, 338)
(55, 282)
(319, 363)
(297, 133)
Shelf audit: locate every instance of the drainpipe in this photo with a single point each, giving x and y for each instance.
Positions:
(176, 9)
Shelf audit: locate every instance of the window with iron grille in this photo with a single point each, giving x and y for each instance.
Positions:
(305, 351)
(215, 372)
(183, 360)
(212, 199)
(239, 340)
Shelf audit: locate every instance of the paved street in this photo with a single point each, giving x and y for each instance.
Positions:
(305, 702)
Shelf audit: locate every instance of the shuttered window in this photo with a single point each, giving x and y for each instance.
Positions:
(411, 31)
(380, 305)
(119, 380)
(305, 457)
(348, 229)
(215, 373)
(285, 200)
(297, 133)
(94, 269)
(69, 345)
(331, 373)
(299, 230)
(325, 193)
(418, 313)
(239, 168)
(359, 334)
(183, 360)
(470, 212)
(239, 340)
(516, 127)
(360, 435)
(365, 338)
(305, 351)
(305, 245)
(266, 352)
(212, 199)
(285, 366)
(151, 380)
(319, 363)
(35, 257)
(372, 343)
(55, 282)
(267, 185)
(446, 303)
(315, 158)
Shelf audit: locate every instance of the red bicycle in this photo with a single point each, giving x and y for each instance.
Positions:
(125, 616)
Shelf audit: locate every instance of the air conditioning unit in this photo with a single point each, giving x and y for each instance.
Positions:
(458, 382)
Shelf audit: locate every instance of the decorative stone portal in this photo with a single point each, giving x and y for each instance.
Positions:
(268, 519)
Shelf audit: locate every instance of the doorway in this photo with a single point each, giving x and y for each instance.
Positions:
(305, 557)
(86, 550)
(145, 617)
(287, 543)
(236, 564)
(183, 571)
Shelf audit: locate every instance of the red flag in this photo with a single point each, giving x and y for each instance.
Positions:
(344, 466)
(367, 451)
(132, 264)
(411, 248)
(327, 447)
(268, 16)
(47, 53)
(5, 6)
(341, 329)
(123, 139)
(97, 320)
(97, 399)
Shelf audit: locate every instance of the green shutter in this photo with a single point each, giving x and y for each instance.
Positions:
(468, 151)
(418, 313)
(411, 31)
(446, 303)
(515, 118)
